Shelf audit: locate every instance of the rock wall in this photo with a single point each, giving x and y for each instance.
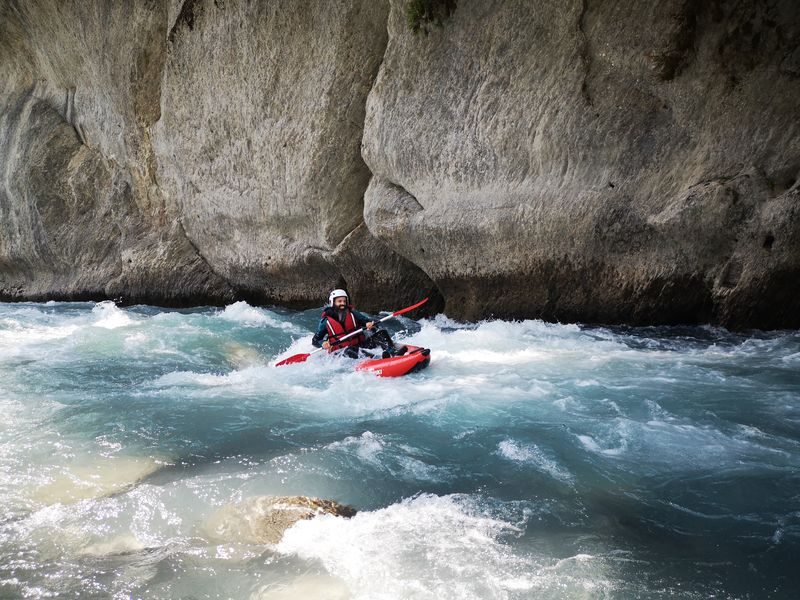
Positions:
(580, 160)
(192, 152)
(81, 214)
(259, 143)
(595, 161)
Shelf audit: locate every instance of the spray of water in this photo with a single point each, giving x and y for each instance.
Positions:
(528, 460)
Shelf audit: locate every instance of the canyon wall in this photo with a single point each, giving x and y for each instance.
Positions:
(611, 162)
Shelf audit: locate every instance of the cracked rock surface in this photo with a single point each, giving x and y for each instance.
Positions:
(575, 161)
(603, 162)
(81, 214)
(190, 152)
(259, 143)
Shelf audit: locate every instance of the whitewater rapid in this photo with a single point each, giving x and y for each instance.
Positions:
(530, 460)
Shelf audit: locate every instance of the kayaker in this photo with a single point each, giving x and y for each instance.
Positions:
(340, 318)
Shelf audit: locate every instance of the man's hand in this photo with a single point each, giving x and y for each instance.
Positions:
(370, 325)
(326, 344)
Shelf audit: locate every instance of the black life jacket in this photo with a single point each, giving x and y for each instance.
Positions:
(337, 330)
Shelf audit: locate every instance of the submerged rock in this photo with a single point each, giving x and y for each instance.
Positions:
(126, 543)
(92, 477)
(319, 587)
(263, 519)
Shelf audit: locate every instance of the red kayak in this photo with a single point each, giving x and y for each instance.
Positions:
(414, 359)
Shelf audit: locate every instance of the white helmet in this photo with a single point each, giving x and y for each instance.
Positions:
(337, 294)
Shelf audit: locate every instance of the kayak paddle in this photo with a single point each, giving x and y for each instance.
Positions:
(298, 358)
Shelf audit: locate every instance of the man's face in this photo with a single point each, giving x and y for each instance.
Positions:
(340, 302)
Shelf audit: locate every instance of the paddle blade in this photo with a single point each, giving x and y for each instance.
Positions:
(409, 308)
(297, 358)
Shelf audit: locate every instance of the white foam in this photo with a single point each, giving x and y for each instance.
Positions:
(588, 383)
(135, 339)
(367, 446)
(592, 445)
(398, 460)
(533, 455)
(190, 378)
(496, 336)
(109, 316)
(241, 312)
(426, 547)
(298, 346)
(478, 355)
(791, 358)
(433, 547)
(14, 334)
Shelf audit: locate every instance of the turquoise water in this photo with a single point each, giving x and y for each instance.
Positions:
(530, 460)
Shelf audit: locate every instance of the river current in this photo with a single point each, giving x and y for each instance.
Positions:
(530, 460)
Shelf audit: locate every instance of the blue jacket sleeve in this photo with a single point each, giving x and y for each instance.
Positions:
(361, 318)
(319, 336)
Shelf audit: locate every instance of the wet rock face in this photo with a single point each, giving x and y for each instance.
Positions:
(82, 214)
(72, 227)
(259, 140)
(613, 162)
(218, 152)
(597, 162)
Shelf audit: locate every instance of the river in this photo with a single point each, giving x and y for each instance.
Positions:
(529, 460)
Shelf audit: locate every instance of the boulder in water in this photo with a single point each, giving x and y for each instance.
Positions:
(263, 519)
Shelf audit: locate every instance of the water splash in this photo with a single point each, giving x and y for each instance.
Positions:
(529, 459)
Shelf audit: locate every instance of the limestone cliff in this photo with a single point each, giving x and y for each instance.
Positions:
(259, 143)
(81, 214)
(591, 161)
(595, 161)
(190, 152)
